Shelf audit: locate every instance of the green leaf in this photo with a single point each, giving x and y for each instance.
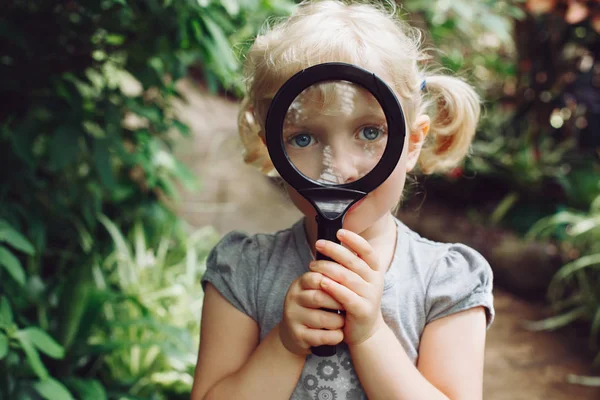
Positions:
(120, 242)
(51, 389)
(3, 345)
(115, 39)
(540, 228)
(231, 6)
(63, 147)
(593, 381)
(12, 265)
(87, 389)
(557, 321)
(11, 236)
(44, 342)
(6, 315)
(102, 161)
(186, 176)
(570, 268)
(78, 286)
(181, 127)
(505, 205)
(32, 355)
(22, 141)
(222, 43)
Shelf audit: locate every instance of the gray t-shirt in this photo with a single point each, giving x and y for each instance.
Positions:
(426, 280)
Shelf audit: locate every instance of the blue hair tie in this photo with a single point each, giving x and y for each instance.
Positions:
(423, 85)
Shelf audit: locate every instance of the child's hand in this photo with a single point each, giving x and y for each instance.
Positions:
(303, 320)
(355, 281)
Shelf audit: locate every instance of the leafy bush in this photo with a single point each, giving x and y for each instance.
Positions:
(149, 330)
(574, 292)
(87, 130)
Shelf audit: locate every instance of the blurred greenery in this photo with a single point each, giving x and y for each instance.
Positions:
(98, 276)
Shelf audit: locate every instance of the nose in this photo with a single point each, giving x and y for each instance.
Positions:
(337, 166)
(345, 165)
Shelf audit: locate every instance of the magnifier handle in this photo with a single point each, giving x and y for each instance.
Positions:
(327, 229)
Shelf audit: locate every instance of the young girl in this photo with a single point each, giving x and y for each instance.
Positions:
(416, 311)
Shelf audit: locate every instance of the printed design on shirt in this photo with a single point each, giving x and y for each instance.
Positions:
(347, 363)
(310, 382)
(353, 376)
(329, 378)
(328, 370)
(355, 394)
(325, 393)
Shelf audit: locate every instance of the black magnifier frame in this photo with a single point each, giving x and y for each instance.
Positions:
(331, 202)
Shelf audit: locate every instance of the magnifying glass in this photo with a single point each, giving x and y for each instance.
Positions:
(334, 132)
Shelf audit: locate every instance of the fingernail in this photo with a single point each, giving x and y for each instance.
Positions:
(341, 232)
(320, 244)
(311, 265)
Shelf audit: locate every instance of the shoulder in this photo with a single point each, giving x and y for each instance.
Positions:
(237, 263)
(432, 256)
(248, 248)
(455, 276)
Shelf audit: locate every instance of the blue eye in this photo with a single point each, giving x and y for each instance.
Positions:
(301, 140)
(370, 133)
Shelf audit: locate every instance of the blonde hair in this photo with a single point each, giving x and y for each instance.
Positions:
(373, 38)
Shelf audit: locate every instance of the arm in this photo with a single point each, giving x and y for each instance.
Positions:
(232, 364)
(452, 347)
(450, 364)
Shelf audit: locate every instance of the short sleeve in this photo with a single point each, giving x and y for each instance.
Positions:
(461, 279)
(232, 268)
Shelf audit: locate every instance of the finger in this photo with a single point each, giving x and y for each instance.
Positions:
(360, 246)
(350, 300)
(320, 319)
(311, 280)
(319, 337)
(340, 274)
(317, 299)
(345, 257)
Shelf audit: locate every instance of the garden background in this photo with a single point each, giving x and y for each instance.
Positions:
(120, 168)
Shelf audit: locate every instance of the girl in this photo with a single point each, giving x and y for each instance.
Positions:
(416, 311)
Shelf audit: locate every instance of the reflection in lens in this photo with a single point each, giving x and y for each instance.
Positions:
(335, 132)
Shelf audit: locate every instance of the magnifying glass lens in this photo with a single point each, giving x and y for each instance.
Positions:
(334, 132)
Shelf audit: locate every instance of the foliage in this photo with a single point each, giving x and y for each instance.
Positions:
(87, 130)
(542, 133)
(574, 292)
(472, 39)
(148, 332)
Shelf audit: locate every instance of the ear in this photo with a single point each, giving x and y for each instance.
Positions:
(416, 140)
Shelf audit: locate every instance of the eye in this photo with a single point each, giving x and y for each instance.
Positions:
(370, 133)
(301, 140)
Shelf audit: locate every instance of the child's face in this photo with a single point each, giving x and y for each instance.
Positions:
(336, 134)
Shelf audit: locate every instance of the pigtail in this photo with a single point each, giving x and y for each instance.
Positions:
(255, 152)
(456, 109)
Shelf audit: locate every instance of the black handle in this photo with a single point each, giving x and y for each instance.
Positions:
(327, 229)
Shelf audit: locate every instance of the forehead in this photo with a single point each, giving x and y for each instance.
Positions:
(334, 98)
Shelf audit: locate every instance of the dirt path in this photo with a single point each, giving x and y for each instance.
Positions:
(520, 365)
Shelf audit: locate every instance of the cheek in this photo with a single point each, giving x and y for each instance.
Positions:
(395, 183)
(390, 191)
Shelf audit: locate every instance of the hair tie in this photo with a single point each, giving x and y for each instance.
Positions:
(423, 85)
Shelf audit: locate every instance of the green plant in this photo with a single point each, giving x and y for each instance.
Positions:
(88, 129)
(574, 292)
(149, 333)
